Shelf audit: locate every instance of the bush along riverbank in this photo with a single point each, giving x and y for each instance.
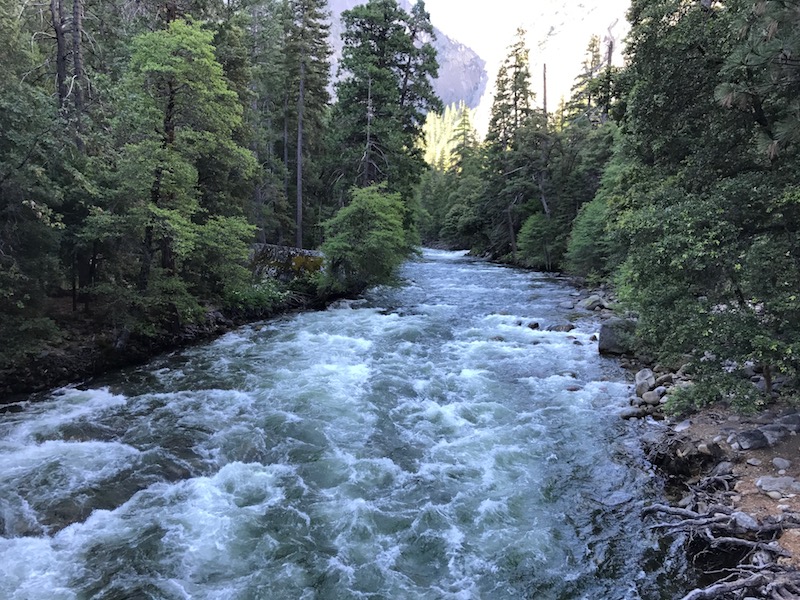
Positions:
(732, 477)
(82, 351)
(366, 242)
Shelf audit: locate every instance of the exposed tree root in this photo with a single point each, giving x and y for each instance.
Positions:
(717, 534)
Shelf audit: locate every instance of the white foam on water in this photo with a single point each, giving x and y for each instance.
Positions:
(66, 405)
(423, 443)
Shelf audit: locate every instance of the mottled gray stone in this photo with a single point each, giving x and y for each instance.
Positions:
(751, 440)
(781, 463)
(784, 485)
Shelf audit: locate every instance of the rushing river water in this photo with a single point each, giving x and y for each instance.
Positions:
(421, 443)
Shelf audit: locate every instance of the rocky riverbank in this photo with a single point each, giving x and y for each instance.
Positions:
(733, 481)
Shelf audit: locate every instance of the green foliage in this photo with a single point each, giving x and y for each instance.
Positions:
(541, 241)
(365, 241)
(588, 247)
(256, 299)
(715, 386)
(383, 95)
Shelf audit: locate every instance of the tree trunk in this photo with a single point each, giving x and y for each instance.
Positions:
(544, 94)
(768, 380)
(57, 15)
(300, 106)
(80, 76)
(366, 160)
(607, 99)
(512, 236)
(286, 145)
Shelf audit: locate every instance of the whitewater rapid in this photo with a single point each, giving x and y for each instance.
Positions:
(424, 442)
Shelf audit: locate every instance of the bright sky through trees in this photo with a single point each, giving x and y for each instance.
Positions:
(557, 34)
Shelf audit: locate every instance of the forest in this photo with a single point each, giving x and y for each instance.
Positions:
(146, 146)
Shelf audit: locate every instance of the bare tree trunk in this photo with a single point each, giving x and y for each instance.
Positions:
(544, 94)
(512, 236)
(366, 160)
(57, 15)
(80, 76)
(609, 57)
(300, 106)
(286, 145)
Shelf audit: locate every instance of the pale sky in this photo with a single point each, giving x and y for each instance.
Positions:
(558, 33)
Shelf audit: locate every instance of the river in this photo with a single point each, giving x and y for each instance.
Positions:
(423, 442)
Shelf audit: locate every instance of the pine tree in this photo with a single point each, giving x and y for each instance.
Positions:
(513, 98)
(384, 94)
(308, 73)
(508, 171)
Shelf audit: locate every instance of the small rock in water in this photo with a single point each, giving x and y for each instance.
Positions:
(533, 325)
(562, 328)
(754, 462)
(781, 463)
(567, 305)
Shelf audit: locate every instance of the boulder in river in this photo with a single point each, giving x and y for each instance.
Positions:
(616, 337)
(592, 302)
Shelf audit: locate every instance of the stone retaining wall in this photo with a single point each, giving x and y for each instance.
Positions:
(284, 262)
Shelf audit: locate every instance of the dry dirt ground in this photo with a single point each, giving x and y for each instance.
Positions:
(749, 465)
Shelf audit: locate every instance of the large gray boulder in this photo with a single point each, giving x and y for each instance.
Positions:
(616, 337)
(592, 302)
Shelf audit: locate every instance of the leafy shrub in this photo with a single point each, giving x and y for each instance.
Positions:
(588, 246)
(258, 298)
(541, 245)
(365, 241)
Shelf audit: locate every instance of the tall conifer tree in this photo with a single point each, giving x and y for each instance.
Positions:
(308, 73)
(387, 63)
